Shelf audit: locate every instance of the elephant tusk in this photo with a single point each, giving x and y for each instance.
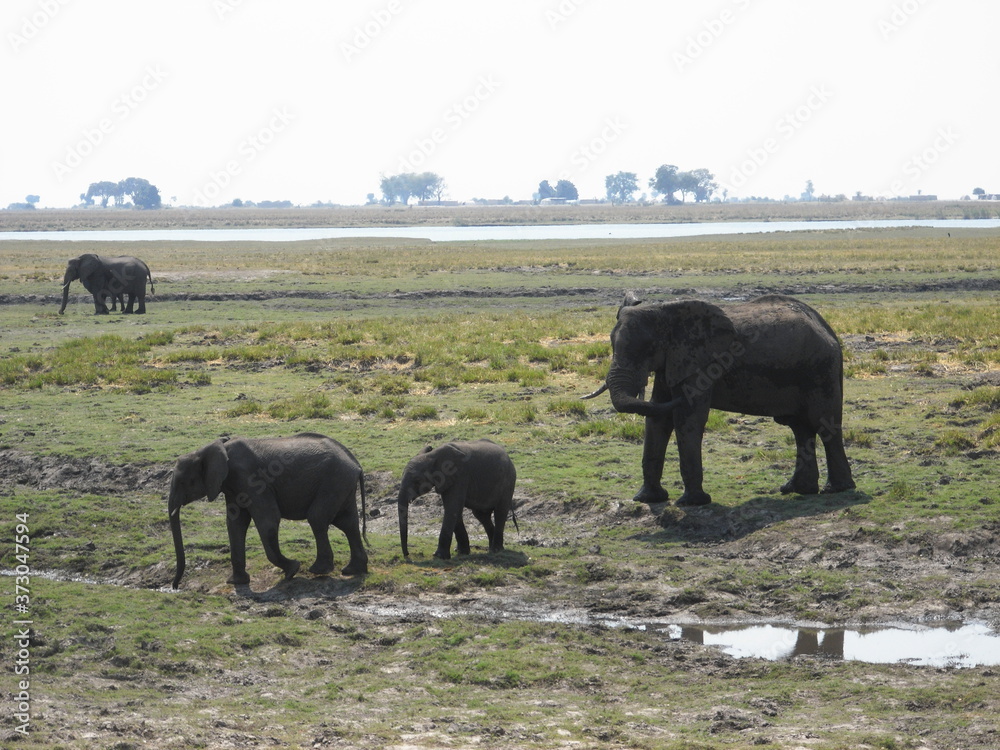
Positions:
(596, 393)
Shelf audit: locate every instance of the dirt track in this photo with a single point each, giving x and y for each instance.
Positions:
(604, 295)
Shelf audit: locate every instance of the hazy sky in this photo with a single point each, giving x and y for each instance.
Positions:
(313, 100)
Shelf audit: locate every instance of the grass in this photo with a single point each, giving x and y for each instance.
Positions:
(387, 372)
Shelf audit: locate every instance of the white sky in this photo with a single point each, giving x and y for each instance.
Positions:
(312, 100)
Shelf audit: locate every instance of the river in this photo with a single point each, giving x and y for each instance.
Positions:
(488, 233)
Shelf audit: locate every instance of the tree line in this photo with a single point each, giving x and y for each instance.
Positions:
(666, 184)
(142, 193)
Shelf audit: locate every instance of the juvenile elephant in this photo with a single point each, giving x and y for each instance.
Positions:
(477, 475)
(109, 277)
(772, 356)
(304, 477)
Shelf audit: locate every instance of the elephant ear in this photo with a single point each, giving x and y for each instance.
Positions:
(90, 271)
(699, 335)
(630, 300)
(215, 467)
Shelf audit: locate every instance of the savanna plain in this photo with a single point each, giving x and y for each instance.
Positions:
(559, 641)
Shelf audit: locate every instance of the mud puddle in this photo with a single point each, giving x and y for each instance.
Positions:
(951, 645)
(954, 644)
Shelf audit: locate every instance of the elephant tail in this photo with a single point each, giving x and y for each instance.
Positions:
(364, 509)
(513, 517)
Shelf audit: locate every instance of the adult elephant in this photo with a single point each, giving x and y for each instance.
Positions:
(477, 475)
(109, 277)
(772, 356)
(304, 477)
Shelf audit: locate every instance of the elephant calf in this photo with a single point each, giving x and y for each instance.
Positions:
(477, 475)
(304, 477)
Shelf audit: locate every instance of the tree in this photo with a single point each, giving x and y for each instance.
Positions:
(687, 183)
(704, 184)
(32, 200)
(809, 193)
(545, 190)
(978, 192)
(666, 182)
(105, 190)
(402, 187)
(567, 190)
(143, 194)
(621, 187)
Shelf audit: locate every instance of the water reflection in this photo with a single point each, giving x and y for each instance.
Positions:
(952, 645)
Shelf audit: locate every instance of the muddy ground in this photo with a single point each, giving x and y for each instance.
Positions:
(796, 288)
(712, 535)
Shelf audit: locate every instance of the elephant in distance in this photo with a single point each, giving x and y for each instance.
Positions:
(307, 477)
(477, 475)
(104, 277)
(772, 356)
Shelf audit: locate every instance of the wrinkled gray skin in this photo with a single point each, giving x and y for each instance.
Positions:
(477, 475)
(304, 477)
(109, 277)
(773, 356)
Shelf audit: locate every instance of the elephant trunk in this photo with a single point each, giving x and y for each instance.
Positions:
(404, 520)
(626, 386)
(174, 508)
(65, 297)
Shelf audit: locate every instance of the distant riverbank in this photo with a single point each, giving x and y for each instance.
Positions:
(64, 220)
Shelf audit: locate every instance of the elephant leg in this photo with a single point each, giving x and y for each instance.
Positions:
(463, 546)
(100, 307)
(141, 310)
(320, 525)
(267, 521)
(349, 522)
(654, 449)
(500, 517)
(452, 524)
(838, 469)
(805, 478)
(690, 429)
(237, 523)
(131, 301)
(485, 517)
